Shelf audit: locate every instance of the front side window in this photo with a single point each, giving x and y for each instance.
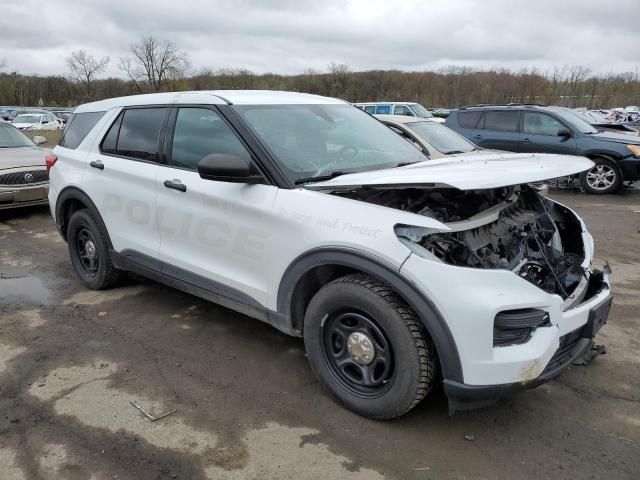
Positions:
(540, 124)
(200, 132)
(503, 121)
(135, 134)
(316, 140)
(402, 110)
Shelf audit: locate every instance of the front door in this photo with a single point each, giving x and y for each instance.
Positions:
(540, 135)
(214, 235)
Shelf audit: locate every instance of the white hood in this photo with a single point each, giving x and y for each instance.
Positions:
(466, 172)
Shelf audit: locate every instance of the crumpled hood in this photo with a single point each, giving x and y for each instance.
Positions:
(21, 157)
(465, 172)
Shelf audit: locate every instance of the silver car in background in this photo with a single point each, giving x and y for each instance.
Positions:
(24, 180)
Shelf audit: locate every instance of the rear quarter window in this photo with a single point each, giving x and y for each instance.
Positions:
(78, 127)
(469, 119)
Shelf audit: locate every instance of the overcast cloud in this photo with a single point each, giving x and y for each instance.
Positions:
(290, 36)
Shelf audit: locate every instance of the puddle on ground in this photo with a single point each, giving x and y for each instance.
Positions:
(20, 289)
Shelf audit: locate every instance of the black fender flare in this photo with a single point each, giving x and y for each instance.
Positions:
(428, 313)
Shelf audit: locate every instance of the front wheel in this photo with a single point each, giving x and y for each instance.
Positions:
(367, 347)
(604, 177)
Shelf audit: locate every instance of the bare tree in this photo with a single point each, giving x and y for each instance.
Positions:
(154, 62)
(84, 67)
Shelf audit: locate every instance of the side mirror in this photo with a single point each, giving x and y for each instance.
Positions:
(564, 132)
(39, 140)
(223, 167)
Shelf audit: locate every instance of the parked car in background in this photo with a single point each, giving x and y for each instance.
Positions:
(308, 214)
(539, 129)
(600, 121)
(409, 109)
(23, 175)
(434, 139)
(62, 115)
(37, 121)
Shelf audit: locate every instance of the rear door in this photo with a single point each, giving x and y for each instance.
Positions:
(121, 179)
(498, 129)
(214, 234)
(540, 135)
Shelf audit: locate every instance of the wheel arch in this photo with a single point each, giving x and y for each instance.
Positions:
(311, 270)
(70, 200)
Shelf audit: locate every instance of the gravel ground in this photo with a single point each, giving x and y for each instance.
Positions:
(73, 363)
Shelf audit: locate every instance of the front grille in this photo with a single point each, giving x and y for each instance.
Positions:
(24, 178)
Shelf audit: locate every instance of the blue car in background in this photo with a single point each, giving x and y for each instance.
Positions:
(540, 129)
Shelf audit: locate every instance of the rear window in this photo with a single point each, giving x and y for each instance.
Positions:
(78, 126)
(469, 119)
(135, 134)
(506, 121)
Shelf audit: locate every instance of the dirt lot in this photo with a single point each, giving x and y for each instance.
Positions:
(72, 361)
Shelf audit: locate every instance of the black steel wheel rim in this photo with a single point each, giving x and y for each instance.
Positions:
(365, 381)
(87, 251)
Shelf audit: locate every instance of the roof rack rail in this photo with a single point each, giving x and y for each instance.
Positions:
(514, 104)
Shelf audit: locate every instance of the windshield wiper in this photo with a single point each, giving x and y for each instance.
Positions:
(454, 152)
(404, 164)
(319, 178)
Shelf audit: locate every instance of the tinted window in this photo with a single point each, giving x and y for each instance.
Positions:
(506, 121)
(78, 126)
(469, 119)
(200, 132)
(139, 133)
(541, 124)
(383, 109)
(402, 110)
(111, 138)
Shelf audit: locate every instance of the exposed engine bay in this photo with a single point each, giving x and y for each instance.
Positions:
(512, 228)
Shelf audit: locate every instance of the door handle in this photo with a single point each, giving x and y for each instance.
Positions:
(526, 140)
(175, 184)
(97, 164)
(477, 136)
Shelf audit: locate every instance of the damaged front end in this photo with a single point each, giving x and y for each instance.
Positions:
(512, 228)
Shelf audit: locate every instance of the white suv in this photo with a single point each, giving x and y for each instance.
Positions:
(309, 214)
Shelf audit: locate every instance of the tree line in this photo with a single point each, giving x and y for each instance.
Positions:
(153, 65)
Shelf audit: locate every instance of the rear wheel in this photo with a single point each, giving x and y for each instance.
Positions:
(366, 346)
(89, 252)
(604, 177)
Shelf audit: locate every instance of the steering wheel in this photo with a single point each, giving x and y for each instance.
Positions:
(341, 156)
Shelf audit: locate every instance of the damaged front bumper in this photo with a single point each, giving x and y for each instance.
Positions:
(470, 299)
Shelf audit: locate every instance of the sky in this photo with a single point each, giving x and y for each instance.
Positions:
(291, 36)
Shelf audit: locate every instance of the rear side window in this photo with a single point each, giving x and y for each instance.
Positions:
(469, 119)
(136, 134)
(78, 127)
(383, 109)
(506, 121)
(370, 109)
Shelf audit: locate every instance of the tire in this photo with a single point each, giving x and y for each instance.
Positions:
(84, 228)
(603, 178)
(403, 364)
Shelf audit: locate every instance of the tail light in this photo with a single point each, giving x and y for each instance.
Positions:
(50, 160)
